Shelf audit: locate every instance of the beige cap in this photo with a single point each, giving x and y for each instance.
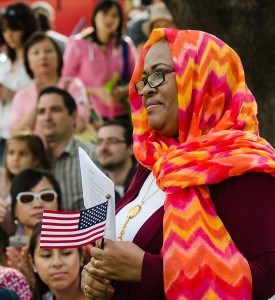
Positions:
(158, 11)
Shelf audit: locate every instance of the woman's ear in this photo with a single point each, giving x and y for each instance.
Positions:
(31, 262)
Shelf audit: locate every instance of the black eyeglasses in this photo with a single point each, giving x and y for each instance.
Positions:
(154, 80)
(47, 196)
(110, 141)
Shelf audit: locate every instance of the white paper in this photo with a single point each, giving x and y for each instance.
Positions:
(96, 185)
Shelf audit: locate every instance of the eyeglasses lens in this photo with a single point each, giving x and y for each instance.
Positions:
(155, 79)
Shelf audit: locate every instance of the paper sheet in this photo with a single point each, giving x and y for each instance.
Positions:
(96, 186)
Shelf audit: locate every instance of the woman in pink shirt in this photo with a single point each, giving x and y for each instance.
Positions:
(102, 58)
(43, 62)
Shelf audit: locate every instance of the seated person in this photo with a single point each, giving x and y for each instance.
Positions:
(56, 271)
(114, 153)
(45, 70)
(32, 191)
(56, 116)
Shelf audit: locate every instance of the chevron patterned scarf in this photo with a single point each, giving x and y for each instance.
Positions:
(218, 138)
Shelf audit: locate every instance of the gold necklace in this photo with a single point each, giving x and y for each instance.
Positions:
(134, 211)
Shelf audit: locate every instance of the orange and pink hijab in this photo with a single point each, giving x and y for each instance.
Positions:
(218, 138)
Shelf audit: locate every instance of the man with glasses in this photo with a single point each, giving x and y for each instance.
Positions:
(114, 152)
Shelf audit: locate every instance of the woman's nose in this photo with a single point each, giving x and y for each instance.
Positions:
(42, 54)
(148, 90)
(56, 262)
(37, 202)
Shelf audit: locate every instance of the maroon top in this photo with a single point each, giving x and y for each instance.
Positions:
(244, 203)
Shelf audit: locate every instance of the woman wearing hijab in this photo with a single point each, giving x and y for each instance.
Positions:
(196, 133)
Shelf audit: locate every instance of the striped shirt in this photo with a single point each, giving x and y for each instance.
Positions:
(66, 169)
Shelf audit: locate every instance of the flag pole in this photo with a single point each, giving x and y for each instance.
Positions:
(108, 196)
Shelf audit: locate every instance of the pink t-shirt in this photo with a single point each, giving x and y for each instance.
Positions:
(26, 98)
(95, 67)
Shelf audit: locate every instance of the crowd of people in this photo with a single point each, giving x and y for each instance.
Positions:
(166, 114)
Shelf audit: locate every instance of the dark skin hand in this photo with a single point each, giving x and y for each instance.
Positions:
(120, 261)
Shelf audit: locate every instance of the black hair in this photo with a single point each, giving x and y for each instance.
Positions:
(105, 6)
(18, 16)
(40, 288)
(127, 129)
(29, 178)
(44, 23)
(35, 38)
(69, 101)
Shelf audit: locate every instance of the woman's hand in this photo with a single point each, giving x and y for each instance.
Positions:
(95, 288)
(16, 259)
(121, 91)
(121, 261)
(103, 95)
(3, 210)
(6, 94)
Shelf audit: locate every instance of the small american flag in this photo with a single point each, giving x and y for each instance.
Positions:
(65, 229)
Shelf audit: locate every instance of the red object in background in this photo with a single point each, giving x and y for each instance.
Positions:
(68, 13)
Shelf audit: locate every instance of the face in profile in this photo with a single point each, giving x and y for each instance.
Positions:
(28, 212)
(107, 22)
(19, 156)
(161, 102)
(43, 59)
(58, 268)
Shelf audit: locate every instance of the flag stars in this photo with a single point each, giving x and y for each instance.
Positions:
(93, 216)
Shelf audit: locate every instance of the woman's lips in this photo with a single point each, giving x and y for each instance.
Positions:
(37, 215)
(58, 275)
(152, 104)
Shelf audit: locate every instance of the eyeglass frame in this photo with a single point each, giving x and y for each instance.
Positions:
(110, 141)
(145, 80)
(36, 196)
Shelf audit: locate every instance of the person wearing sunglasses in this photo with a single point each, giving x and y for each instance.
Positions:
(32, 191)
(197, 221)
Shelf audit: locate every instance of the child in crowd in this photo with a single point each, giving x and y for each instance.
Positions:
(56, 271)
(23, 150)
